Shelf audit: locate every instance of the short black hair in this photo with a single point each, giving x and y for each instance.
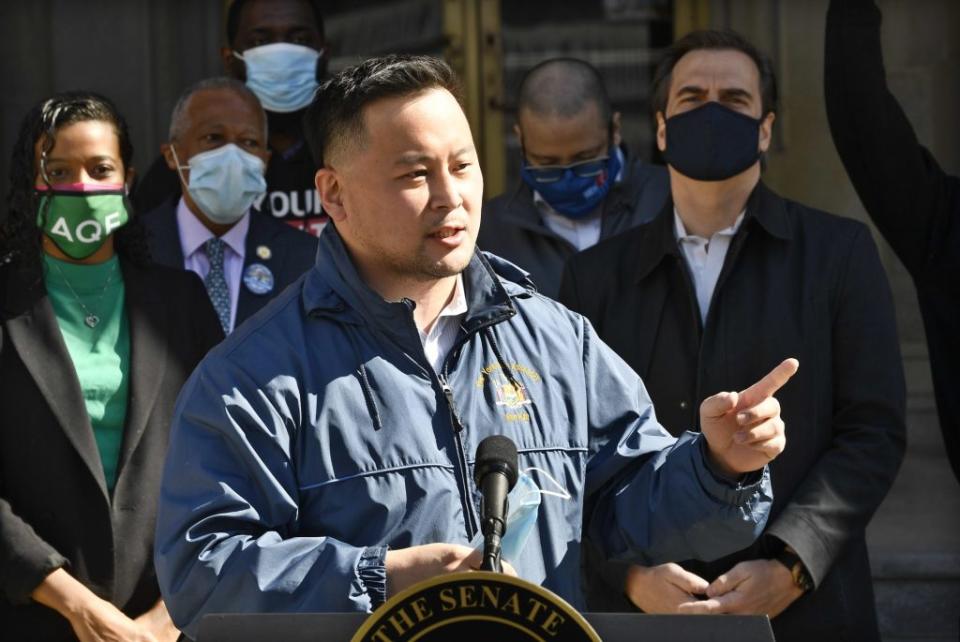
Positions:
(563, 87)
(713, 39)
(236, 7)
(336, 113)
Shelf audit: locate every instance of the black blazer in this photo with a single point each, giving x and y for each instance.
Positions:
(796, 282)
(54, 506)
(292, 252)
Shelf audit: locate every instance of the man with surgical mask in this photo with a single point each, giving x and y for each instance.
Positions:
(277, 48)
(578, 182)
(727, 264)
(217, 149)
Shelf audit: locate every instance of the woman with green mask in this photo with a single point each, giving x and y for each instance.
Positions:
(95, 344)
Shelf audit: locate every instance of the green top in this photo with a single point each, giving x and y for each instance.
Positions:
(101, 353)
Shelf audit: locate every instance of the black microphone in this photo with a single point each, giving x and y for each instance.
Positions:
(495, 473)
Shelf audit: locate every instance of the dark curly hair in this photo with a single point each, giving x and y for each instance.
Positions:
(20, 238)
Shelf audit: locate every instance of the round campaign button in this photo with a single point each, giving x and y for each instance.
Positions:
(264, 253)
(258, 278)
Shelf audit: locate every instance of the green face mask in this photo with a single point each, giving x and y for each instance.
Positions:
(79, 219)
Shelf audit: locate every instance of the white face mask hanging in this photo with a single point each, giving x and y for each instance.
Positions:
(523, 508)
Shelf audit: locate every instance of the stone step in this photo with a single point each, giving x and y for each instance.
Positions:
(918, 596)
(914, 537)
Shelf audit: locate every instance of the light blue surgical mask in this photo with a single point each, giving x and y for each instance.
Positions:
(224, 181)
(523, 508)
(282, 75)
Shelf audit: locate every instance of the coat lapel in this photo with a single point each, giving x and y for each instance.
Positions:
(34, 332)
(164, 235)
(652, 284)
(259, 233)
(147, 316)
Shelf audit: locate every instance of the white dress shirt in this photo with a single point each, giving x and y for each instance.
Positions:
(705, 258)
(193, 235)
(443, 334)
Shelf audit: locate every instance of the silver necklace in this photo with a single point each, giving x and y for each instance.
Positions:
(91, 318)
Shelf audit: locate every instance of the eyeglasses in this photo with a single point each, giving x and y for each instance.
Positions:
(583, 169)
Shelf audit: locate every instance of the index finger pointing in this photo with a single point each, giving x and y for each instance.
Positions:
(766, 387)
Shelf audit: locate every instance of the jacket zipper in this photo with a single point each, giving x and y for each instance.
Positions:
(470, 520)
(463, 470)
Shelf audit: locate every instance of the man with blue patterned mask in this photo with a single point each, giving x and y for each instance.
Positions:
(277, 48)
(217, 148)
(578, 182)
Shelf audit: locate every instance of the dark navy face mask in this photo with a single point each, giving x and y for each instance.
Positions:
(574, 190)
(712, 142)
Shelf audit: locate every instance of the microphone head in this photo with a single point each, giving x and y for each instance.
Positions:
(496, 454)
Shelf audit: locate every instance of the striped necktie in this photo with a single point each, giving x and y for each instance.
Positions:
(216, 282)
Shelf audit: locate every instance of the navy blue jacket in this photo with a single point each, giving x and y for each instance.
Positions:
(318, 433)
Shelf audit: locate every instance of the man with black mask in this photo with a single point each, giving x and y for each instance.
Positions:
(727, 264)
(578, 182)
(277, 48)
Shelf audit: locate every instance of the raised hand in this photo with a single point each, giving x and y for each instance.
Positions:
(743, 429)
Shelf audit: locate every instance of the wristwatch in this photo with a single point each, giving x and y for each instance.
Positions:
(789, 558)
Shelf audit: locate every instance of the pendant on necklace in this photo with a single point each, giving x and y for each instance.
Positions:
(92, 320)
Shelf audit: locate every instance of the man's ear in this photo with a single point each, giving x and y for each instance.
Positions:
(766, 131)
(327, 182)
(232, 66)
(661, 132)
(615, 129)
(518, 132)
(165, 151)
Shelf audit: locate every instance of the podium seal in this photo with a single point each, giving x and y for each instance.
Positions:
(472, 606)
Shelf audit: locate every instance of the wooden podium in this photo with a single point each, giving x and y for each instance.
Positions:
(477, 606)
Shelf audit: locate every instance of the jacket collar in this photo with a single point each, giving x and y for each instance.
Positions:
(765, 210)
(334, 288)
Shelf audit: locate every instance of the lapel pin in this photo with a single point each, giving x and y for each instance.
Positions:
(264, 253)
(258, 278)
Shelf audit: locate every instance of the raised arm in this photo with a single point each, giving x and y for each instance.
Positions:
(904, 190)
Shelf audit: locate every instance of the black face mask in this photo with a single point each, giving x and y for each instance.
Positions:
(712, 142)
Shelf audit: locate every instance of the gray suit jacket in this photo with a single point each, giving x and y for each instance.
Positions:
(292, 252)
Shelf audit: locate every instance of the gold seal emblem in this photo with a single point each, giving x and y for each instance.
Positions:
(264, 253)
(474, 606)
(511, 395)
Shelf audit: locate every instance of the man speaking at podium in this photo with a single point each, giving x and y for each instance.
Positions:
(320, 457)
